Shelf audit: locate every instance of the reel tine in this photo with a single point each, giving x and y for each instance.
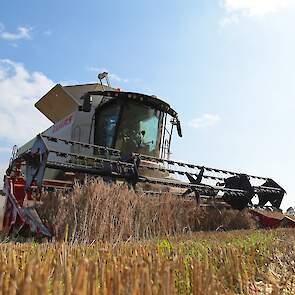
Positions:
(275, 198)
(194, 181)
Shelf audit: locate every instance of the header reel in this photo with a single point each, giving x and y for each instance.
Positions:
(206, 184)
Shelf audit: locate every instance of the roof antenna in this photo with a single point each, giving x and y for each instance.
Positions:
(104, 75)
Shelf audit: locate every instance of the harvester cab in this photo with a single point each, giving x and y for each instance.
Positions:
(130, 122)
(120, 136)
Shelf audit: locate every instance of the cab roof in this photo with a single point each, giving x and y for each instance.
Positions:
(152, 101)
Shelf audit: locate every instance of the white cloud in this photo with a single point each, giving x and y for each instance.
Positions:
(229, 19)
(118, 78)
(21, 33)
(20, 89)
(15, 45)
(256, 7)
(247, 8)
(47, 32)
(206, 120)
(19, 120)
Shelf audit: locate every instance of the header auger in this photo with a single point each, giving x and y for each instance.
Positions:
(119, 136)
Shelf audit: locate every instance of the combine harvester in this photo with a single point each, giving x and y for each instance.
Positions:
(119, 136)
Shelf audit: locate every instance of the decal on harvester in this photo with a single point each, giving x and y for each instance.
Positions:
(65, 122)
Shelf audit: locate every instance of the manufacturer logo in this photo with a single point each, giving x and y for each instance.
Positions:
(62, 124)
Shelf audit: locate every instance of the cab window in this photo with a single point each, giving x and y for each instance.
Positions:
(139, 129)
(106, 125)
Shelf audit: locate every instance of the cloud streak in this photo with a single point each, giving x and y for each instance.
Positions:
(206, 120)
(112, 76)
(236, 9)
(47, 32)
(23, 32)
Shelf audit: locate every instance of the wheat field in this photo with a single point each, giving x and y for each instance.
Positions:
(237, 262)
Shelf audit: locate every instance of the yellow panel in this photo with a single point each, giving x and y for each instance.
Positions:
(61, 101)
(57, 104)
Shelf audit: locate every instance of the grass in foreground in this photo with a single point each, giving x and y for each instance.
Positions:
(238, 262)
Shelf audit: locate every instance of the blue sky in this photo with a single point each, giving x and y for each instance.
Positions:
(227, 67)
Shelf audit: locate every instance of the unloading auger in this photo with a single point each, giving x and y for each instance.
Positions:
(119, 136)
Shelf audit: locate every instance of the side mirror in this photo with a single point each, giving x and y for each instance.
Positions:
(178, 125)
